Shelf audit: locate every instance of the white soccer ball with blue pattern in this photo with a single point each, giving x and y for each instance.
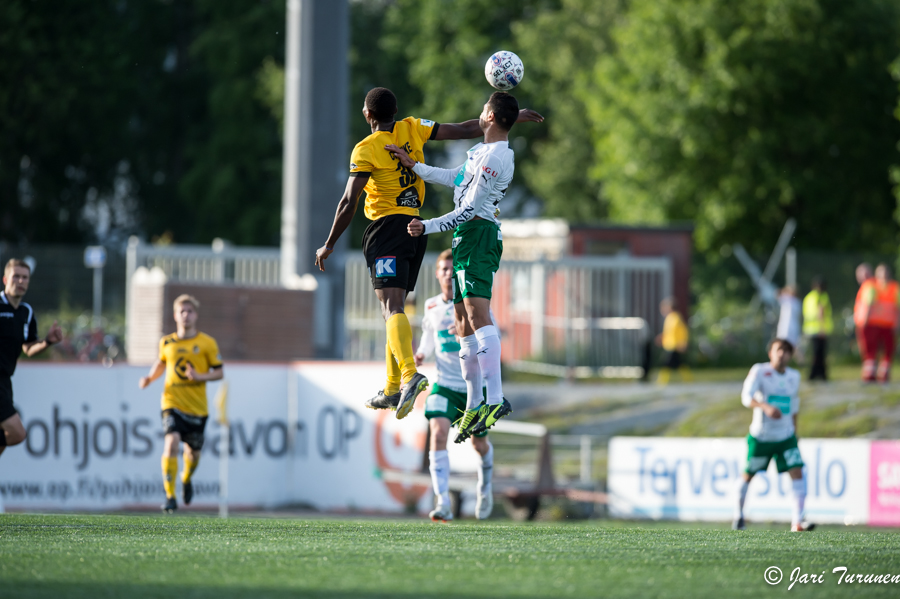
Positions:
(504, 70)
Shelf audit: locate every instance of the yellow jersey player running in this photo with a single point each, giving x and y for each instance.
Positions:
(394, 195)
(189, 358)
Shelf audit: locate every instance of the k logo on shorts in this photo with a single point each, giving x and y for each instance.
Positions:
(386, 266)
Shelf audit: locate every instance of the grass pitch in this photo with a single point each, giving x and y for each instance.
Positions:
(133, 557)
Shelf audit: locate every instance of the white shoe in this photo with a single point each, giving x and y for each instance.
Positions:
(484, 505)
(441, 513)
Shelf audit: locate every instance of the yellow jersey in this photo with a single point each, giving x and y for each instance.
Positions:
(393, 188)
(200, 351)
(675, 333)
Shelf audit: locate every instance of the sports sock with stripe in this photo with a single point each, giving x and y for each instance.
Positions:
(489, 360)
(439, 467)
(471, 370)
(399, 335)
(190, 465)
(170, 475)
(392, 386)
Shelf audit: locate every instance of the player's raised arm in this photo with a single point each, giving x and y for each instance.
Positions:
(429, 174)
(342, 217)
(54, 336)
(471, 129)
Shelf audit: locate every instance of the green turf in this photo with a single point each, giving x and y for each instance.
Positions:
(133, 557)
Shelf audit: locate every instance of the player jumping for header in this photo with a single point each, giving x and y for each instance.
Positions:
(478, 185)
(448, 397)
(394, 194)
(772, 390)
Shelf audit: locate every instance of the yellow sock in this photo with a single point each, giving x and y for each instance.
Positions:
(170, 474)
(686, 375)
(664, 374)
(399, 335)
(393, 372)
(189, 467)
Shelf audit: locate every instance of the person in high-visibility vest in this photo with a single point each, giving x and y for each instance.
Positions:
(818, 325)
(866, 278)
(880, 319)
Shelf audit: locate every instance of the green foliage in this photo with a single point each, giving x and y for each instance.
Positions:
(738, 115)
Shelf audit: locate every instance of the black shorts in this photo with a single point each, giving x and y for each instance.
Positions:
(674, 359)
(7, 409)
(190, 427)
(393, 256)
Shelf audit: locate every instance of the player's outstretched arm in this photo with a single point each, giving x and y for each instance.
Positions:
(342, 217)
(471, 129)
(429, 174)
(156, 371)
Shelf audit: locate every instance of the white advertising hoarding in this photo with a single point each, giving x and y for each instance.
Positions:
(300, 434)
(695, 479)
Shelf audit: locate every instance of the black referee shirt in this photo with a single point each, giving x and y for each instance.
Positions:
(17, 327)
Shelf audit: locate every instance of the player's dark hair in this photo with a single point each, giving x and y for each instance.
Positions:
(784, 343)
(13, 263)
(505, 108)
(382, 104)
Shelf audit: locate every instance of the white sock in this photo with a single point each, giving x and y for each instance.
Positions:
(799, 487)
(439, 466)
(489, 360)
(486, 471)
(471, 370)
(742, 486)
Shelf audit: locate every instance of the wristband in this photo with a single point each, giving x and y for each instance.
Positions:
(329, 249)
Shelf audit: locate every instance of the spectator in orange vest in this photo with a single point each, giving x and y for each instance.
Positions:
(880, 319)
(865, 278)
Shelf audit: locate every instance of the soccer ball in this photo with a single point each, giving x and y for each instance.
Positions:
(504, 70)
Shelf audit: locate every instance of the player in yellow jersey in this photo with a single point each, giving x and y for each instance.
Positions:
(189, 358)
(394, 195)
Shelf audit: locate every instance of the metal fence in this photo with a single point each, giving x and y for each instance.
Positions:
(576, 317)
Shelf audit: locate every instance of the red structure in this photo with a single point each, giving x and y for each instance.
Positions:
(674, 242)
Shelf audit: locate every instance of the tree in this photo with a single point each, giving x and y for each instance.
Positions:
(738, 115)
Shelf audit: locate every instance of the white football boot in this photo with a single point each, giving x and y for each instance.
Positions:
(442, 513)
(484, 505)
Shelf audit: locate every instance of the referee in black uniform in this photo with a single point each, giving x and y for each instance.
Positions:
(18, 333)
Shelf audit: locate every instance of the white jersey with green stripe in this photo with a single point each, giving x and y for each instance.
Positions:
(767, 385)
(439, 337)
(478, 185)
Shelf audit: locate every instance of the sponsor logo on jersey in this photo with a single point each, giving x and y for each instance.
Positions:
(7, 315)
(426, 123)
(353, 166)
(386, 266)
(409, 198)
(489, 171)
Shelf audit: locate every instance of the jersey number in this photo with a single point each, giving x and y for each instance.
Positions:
(407, 176)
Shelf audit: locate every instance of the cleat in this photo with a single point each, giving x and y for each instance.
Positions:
(465, 422)
(484, 505)
(739, 524)
(489, 416)
(383, 402)
(408, 394)
(441, 514)
(803, 527)
(170, 506)
(187, 492)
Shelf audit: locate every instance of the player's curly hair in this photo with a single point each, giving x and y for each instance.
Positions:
(382, 104)
(505, 108)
